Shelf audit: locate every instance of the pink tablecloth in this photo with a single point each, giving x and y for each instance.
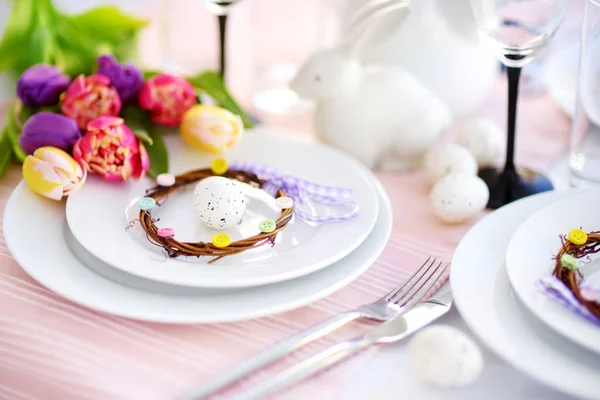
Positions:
(51, 348)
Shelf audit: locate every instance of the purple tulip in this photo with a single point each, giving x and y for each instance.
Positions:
(126, 78)
(41, 85)
(49, 129)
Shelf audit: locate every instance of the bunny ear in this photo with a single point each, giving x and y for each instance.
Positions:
(372, 24)
(459, 17)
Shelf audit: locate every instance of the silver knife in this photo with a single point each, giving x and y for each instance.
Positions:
(391, 331)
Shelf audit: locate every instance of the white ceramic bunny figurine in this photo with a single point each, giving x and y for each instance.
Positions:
(379, 114)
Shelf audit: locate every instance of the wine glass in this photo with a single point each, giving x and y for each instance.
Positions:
(221, 8)
(516, 30)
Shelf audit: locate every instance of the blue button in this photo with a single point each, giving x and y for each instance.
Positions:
(146, 203)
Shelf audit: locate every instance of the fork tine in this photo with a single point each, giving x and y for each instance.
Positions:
(425, 287)
(415, 287)
(401, 286)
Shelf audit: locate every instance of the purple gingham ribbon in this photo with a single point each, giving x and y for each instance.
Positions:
(302, 191)
(557, 291)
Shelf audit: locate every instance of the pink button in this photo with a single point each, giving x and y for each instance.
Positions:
(284, 202)
(165, 180)
(165, 233)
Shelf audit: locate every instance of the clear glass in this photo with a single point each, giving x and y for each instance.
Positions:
(585, 132)
(517, 30)
(285, 33)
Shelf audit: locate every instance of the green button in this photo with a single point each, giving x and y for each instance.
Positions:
(146, 203)
(569, 262)
(267, 226)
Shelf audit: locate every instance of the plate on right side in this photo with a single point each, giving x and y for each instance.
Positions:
(529, 257)
(489, 306)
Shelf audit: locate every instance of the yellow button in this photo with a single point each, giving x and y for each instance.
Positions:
(219, 166)
(577, 236)
(221, 240)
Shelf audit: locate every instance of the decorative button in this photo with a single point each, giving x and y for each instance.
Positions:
(219, 166)
(267, 226)
(284, 202)
(569, 262)
(577, 236)
(165, 180)
(146, 203)
(221, 240)
(165, 233)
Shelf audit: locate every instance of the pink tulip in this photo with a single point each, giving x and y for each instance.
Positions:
(167, 97)
(88, 98)
(110, 149)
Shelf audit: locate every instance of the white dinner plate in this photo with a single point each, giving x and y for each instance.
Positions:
(486, 301)
(44, 254)
(99, 212)
(529, 258)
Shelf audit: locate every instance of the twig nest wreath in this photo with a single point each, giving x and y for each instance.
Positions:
(220, 203)
(576, 247)
(444, 356)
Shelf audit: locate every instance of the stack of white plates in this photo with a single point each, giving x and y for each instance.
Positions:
(83, 252)
(494, 281)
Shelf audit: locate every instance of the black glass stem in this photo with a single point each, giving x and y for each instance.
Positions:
(509, 185)
(514, 75)
(222, 40)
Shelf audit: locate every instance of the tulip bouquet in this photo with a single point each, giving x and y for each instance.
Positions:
(110, 123)
(77, 104)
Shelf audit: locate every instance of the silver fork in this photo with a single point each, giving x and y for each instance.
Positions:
(390, 331)
(399, 300)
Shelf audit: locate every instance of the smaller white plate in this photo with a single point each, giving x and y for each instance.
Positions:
(489, 306)
(99, 212)
(52, 263)
(529, 257)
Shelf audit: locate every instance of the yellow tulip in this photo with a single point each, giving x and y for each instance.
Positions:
(53, 173)
(210, 128)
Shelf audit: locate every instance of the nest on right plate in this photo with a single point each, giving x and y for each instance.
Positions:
(577, 245)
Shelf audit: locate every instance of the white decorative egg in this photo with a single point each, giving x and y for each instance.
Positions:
(458, 197)
(444, 356)
(219, 202)
(484, 139)
(447, 159)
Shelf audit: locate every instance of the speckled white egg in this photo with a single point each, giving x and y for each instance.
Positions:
(458, 197)
(484, 139)
(219, 202)
(444, 356)
(447, 159)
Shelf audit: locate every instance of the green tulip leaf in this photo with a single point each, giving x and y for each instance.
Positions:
(143, 135)
(158, 153)
(107, 23)
(16, 37)
(13, 132)
(6, 153)
(149, 74)
(211, 83)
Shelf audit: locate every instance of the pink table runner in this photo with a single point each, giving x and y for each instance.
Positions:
(51, 348)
